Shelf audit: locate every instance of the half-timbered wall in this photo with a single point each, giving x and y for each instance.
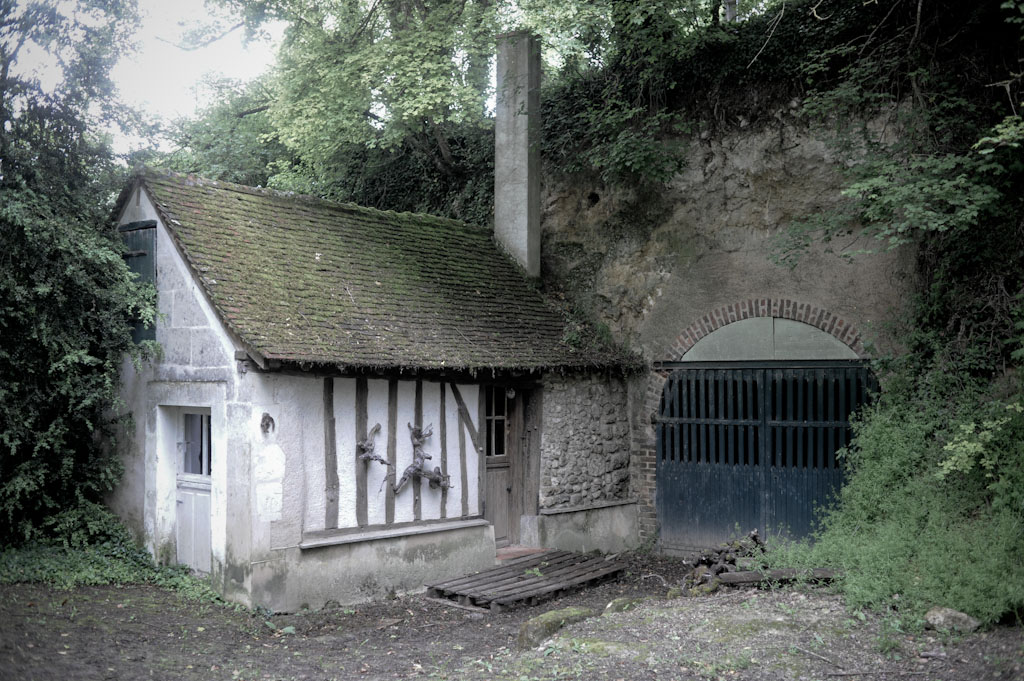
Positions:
(318, 424)
(360, 493)
(327, 524)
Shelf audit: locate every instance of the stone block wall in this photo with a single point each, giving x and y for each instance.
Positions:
(585, 442)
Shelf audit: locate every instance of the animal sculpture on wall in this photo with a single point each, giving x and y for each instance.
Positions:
(418, 467)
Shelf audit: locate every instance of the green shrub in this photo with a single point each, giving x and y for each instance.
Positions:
(933, 509)
(102, 552)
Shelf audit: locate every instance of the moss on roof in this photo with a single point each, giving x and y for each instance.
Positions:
(309, 281)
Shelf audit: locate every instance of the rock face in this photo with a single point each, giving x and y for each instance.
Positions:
(650, 267)
(535, 631)
(647, 266)
(584, 444)
(947, 619)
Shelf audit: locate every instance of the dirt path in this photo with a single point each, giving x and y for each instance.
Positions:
(148, 633)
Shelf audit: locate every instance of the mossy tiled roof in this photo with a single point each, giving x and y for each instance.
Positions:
(307, 281)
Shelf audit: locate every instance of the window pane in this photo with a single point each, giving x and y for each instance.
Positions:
(489, 440)
(193, 444)
(499, 437)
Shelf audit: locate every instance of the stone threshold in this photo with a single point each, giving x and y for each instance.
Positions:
(355, 535)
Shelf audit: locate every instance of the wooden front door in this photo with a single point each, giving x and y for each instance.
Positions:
(504, 440)
(192, 519)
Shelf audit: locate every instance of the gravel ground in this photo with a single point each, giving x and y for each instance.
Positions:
(794, 633)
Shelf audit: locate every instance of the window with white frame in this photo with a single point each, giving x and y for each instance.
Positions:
(196, 444)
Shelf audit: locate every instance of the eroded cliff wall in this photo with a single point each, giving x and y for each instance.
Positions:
(652, 266)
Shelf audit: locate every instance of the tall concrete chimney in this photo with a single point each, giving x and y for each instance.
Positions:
(517, 149)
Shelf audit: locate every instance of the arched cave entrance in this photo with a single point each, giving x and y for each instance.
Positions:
(747, 430)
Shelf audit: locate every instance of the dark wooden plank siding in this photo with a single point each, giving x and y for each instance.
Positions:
(739, 448)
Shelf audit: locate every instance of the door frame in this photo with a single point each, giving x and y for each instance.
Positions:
(521, 457)
(193, 484)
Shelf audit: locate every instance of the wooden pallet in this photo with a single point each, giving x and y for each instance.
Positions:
(527, 580)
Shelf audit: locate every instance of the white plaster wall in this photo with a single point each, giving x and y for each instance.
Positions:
(345, 434)
(161, 486)
(288, 481)
(377, 412)
(471, 396)
(268, 465)
(403, 449)
(430, 499)
(298, 403)
(451, 408)
(196, 370)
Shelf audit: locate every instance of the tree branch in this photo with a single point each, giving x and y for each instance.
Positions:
(254, 110)
(878, 26)
(205, 43)
(775, 24)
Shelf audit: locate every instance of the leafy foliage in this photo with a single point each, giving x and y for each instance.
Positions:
(385, 103)
(67, 299)
(232, 140)
(111, 557)
(381, 104)
(933, 510)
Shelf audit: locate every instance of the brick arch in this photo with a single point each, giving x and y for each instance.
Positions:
(644, 462)
(779, 308)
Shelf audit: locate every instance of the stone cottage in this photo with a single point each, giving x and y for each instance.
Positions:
(352, 402)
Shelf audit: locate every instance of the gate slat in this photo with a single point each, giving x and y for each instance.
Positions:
(753, 447)
(789, 383)
(730, 415)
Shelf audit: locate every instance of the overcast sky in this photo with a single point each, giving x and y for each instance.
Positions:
(161, 78)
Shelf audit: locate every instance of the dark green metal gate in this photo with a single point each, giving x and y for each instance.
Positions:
(751, 446)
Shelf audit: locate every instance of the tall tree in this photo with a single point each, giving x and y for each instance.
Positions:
(66, 297)
(233, 139)
(381, 74)
(383, 102)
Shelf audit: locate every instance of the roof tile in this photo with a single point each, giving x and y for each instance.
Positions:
(305, 280)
